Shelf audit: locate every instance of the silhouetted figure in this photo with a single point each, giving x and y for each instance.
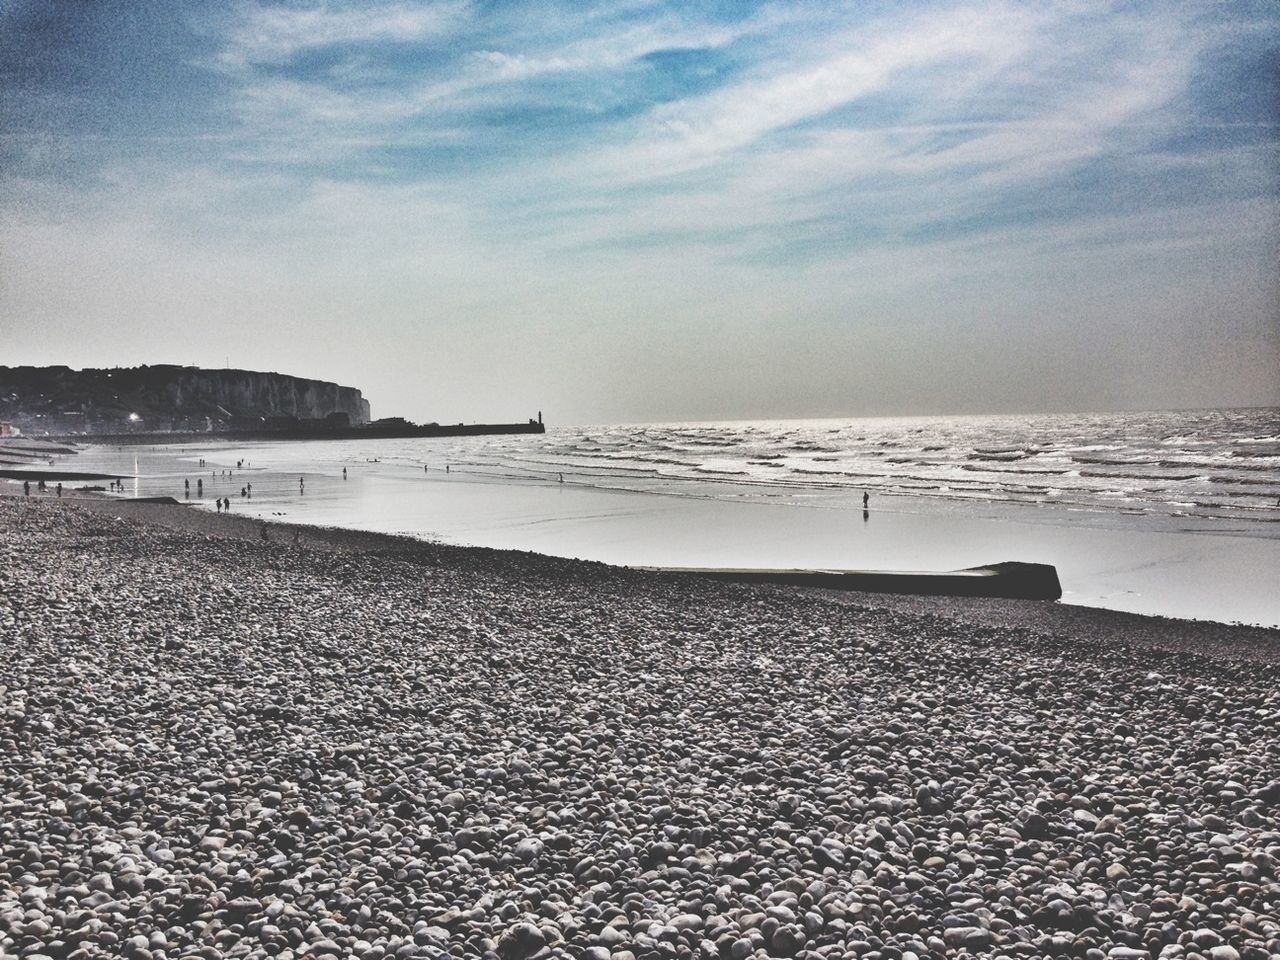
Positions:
(59, 489)
(199, 488)
(302, 485)
(26, 487)
(344, 473)
(186, 488)
(243, 493)
(866, 498)
(562, 478)
(249, 487)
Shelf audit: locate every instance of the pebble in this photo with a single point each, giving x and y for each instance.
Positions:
(216, 748)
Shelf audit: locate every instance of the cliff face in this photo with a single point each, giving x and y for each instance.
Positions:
(62, 400)
(245, 393)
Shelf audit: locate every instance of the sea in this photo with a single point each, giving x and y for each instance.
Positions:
(1175, 513)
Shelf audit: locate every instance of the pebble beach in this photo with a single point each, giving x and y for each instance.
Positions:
(345, 745)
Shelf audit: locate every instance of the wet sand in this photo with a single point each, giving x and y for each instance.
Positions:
(373, 746)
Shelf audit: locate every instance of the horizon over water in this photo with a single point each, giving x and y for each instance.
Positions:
(1165, 512)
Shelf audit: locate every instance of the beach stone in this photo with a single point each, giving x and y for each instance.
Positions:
(520, 941)
(528, 849)
(969, 937)
(430, 751)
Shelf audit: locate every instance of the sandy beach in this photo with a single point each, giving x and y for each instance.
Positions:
(360, 745)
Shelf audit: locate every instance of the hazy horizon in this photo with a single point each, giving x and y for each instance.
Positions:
(517, 416)
(637, 211)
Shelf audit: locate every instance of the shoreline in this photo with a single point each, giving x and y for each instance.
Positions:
(1215, 638)
(1098, 569)
(1141, 565)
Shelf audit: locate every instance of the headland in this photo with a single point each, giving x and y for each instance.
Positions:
(166, 403)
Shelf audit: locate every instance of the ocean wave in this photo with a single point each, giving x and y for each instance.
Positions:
(1051, 471)
(997, 457)
(1116, 475)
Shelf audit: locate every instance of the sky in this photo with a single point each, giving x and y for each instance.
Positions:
(632, 210)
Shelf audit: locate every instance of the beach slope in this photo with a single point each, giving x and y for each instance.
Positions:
(353, 745)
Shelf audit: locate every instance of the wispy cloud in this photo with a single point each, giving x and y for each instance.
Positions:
(262, 34)
(694, 132)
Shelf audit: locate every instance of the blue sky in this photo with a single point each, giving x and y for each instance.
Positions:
(636, 210)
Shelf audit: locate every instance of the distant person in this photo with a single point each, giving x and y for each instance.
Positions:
(424, 468)
(218, 503)
(249, 487)
(446, 468)
(59, 489)
(199, 488)
(26, 487)
(562, 478)
(243, 493)
(344, 473)
(866, 498)
(302, 485)
(186, 488)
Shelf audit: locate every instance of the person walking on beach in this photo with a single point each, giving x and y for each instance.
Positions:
(302, 485)
(344, 473)
(866, 498)
(59, 489)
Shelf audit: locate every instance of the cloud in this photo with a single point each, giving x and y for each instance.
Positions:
(275, 34)
(687, 134)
